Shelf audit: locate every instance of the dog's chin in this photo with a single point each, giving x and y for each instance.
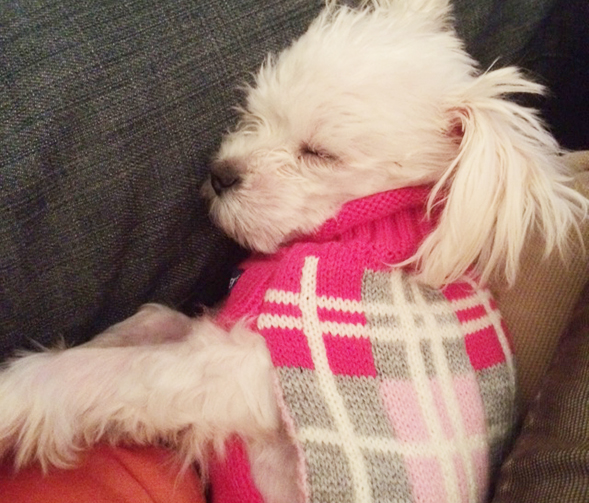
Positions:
(261, 240)
(255, 234)
(269, 223)
(263, 232)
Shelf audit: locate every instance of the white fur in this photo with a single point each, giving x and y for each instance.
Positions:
(366, 101)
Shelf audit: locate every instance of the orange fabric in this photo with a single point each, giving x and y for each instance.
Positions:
(106, 475)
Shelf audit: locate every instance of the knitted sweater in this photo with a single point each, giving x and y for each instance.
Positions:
(394, 391)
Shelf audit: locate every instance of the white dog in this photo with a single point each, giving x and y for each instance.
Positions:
(376, 172)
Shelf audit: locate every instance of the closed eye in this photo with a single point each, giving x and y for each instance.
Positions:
(308, 150)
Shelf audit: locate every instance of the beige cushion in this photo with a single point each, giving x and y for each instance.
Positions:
(550, 460)
(539, 307)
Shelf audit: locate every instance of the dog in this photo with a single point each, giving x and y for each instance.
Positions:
(382, 180)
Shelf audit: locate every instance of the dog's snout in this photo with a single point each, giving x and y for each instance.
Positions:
(224, 176)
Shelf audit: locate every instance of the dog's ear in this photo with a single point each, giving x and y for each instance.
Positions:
(506, 179)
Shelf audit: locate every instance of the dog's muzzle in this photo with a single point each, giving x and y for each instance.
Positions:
(224, 176)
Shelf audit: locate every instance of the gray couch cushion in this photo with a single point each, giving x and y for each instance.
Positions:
(109, 113)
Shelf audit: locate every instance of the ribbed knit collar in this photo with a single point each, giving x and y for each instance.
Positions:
(391, 223)
(358, 213)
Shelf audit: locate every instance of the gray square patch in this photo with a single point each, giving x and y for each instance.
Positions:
(390, 359)
(301, 391)
(458, 361)
(388, 478)
(428, 357)
(430, 295)
(376, 287)
(364, 406)
(494, 383)
(388, 321)
(329, 474)
(408, 290)
(445, 319)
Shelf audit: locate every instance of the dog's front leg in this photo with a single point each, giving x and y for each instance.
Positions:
(152, 324)
(190, 393)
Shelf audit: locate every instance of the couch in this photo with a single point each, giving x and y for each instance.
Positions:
(110, 111)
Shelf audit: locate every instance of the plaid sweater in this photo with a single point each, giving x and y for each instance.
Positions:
(393, 391)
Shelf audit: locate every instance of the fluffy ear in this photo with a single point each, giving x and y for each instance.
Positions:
(506, 179)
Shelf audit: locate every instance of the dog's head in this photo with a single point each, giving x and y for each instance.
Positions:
(384, 97)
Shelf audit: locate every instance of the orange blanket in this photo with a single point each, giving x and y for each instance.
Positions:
(106, 475)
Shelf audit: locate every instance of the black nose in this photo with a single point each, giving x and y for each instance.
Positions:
(223, 177)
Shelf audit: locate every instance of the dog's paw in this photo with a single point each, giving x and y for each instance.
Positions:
(33, 425)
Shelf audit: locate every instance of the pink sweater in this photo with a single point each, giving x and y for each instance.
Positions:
(391, 389)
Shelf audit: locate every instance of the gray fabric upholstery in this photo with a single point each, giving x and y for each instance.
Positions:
(496, 31)
(109, 113)
(558, 56)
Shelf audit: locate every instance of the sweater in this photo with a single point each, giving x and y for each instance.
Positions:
(392, 390)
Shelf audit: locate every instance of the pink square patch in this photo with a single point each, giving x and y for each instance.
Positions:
(288, 347)
(458, 291)
(405, 414)
(484, 349)
(338, 316)
(351, 356)
(472, 313)
(427, 480)
(470, 404)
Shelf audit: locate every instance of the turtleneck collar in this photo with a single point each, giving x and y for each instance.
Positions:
(360, 212)
(392, 223)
